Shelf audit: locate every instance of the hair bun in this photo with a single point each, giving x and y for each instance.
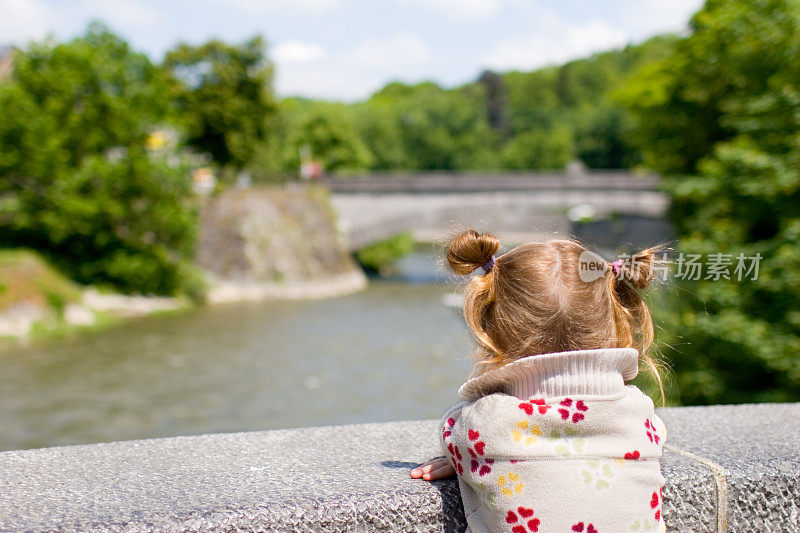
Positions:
(469, 250)
(638, 272)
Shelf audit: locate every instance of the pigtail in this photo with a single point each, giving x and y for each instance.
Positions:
(468, 251)
(627, 279)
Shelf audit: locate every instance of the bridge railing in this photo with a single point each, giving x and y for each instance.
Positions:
(461, 182)
(728, 468)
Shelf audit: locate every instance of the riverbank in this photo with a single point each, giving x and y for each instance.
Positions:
(276, 243)
(37, 301)
(44, 312)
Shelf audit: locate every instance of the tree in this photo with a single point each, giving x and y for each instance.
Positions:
(441, 129)
(328, 131)
(496, 101)
(223, 96)
(576, 96)
(539, 150)
(602, 138)
(378, 124)
(77, 182)
(722, 117)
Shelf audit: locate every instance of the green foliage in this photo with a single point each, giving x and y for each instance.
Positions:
(577, 97)
(76, 181)
(328, 131)
(535, 120)
(722, 117)
(379, 256)
(378, 124)
(539, 149)
(436, 128)
(602, 138)
(222, 94)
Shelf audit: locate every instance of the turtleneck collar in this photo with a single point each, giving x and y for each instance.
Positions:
(601, 371)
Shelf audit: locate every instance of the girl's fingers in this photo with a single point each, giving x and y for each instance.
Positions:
(444, 470)
(426, 468)
(421, 470)
(418, 471)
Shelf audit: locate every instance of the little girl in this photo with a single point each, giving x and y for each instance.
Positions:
(548, 437)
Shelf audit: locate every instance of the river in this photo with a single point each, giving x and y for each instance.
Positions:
(395, 351)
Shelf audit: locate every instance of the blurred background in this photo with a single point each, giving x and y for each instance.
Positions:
(230, 216)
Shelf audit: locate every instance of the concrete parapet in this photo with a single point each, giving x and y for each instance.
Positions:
(728, 468)
(480, 181)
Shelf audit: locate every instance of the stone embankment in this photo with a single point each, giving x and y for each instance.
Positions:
(275, 243)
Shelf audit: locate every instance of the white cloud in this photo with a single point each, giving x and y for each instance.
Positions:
(122, 12)
(21, 20)
(552, 43)
(468, 9)
(324, 81)
(400, 49)
(266, 6)
(355, 73)
(649, 17)
(297, 52)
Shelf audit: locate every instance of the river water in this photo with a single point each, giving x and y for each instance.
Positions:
(395, 351)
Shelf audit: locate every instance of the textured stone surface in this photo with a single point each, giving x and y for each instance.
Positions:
(356, 478)
(758, 448)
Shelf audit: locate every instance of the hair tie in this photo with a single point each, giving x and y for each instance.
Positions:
(487, 266)
(616, 265)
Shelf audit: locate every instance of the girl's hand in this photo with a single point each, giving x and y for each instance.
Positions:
(437, 468)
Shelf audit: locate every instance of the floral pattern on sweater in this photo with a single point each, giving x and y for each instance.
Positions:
(577, 462)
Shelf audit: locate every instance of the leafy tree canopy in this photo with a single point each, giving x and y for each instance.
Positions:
(223, 96)
(722, 118)
(76, 179)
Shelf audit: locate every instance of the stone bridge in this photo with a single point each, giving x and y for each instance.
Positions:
(518, 207)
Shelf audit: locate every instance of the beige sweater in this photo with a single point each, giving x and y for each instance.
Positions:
(558, 442)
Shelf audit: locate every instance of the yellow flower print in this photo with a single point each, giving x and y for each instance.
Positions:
(510, 484)
(526, 432)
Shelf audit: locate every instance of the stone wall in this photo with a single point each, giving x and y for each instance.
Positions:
(728, 468)
(274, 242)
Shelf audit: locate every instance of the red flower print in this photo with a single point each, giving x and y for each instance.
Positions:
(455, 457)
(655, 504)
(447, 428)
(580, 527)
(575, 410)
(457, 466)
(455, 453)
(534, 403)
(478, 464)
(632, 455)
(524, 519)
(651, 431)
(481, 466)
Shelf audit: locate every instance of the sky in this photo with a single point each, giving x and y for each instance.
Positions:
(347, 49)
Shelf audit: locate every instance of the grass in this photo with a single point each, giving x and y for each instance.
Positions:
(26, 278)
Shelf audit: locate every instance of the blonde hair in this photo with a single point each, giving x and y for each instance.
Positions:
(534, 301)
